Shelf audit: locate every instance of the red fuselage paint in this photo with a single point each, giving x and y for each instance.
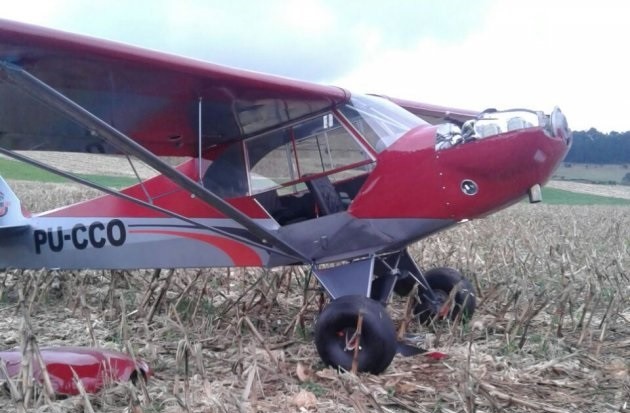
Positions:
(414, 180)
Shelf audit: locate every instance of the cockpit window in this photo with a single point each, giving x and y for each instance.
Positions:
(380, 121)
(320, 145)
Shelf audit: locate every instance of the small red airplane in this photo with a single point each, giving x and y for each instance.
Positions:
(279, 172)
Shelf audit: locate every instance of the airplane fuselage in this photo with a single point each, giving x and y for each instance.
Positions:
(414, 190)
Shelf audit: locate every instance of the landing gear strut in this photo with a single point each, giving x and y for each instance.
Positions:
(361, 289)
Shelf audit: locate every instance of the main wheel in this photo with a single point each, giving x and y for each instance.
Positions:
(336, 338)
(442, 281)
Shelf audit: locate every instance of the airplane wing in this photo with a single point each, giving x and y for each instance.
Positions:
(162, 102)
(70, 93)
(436, 114)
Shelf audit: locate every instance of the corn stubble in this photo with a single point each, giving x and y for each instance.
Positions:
(551, 333)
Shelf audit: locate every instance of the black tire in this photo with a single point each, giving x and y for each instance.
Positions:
(442, 281)
(338, 321)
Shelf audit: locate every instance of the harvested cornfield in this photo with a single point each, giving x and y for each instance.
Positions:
(551, 333)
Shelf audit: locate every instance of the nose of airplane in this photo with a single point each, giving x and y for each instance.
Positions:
(448, 172)
(499, 158)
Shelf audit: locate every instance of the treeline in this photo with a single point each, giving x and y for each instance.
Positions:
(593, 146)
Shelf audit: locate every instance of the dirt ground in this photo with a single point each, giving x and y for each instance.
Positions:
(551, 332)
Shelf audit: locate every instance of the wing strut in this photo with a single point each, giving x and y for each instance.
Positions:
(48, 95)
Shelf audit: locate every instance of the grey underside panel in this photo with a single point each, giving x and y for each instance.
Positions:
(340, 236)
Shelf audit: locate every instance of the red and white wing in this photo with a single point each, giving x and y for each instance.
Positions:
(158, 100)
(68, 93)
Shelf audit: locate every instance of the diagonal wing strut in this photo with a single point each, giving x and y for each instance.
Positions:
(48, 95)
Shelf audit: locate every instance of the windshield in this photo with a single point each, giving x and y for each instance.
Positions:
(379, 120)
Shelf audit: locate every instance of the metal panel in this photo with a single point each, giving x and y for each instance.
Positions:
(354, 278)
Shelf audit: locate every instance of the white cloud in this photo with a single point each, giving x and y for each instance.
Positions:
(39, 12)
(523, 54)
(307, 16)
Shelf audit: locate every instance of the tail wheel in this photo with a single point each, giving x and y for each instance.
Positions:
(454, 294)
(336, 338)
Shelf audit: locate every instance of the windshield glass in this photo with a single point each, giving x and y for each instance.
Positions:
(379, 120)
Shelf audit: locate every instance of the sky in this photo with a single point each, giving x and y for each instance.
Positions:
(503, 54)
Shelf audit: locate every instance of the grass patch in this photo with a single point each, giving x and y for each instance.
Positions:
(11, 169)
(560, 197)
(593, 173)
